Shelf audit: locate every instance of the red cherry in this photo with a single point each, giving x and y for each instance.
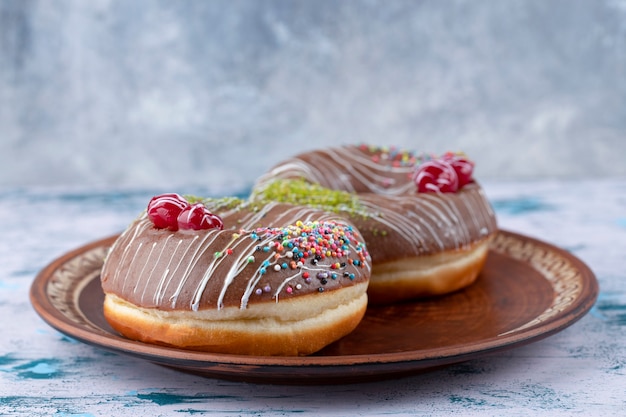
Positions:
(436, 175)
(163, 210)
(462, 165)
(198, 217)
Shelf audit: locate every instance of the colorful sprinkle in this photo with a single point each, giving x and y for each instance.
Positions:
(325, 244)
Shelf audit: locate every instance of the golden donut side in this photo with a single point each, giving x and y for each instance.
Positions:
(319, 321)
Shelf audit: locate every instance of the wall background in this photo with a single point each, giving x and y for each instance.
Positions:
(212, 93)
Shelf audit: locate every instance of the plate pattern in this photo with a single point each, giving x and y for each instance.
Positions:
(67, 282)
(564, 277)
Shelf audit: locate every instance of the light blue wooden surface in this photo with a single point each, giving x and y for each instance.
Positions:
(580, 371)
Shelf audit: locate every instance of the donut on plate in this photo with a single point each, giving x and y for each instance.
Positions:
(426, 221)
(259, 279)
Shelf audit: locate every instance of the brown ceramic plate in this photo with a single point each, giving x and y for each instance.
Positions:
(528, 290)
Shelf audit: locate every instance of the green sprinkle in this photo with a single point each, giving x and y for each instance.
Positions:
(301, 192)
(216, 204)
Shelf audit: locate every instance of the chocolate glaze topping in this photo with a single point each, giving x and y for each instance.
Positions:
(352, 168)
(395, 220)
(264, 254)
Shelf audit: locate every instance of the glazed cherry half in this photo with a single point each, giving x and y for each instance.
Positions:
(462, 165)
(436, 176)
(447, 174)
(198, 217)
(173, 212)
(163, 210)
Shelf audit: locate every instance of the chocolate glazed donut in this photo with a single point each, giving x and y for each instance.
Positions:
(279, 279)
(426, 221)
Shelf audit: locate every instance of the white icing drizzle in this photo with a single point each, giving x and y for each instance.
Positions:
(159, 290)
(154, 265)
(455, 225)
(237, 266)
(329, 167)
(256, 277)
(131, 262)
(181, 258)
(426, 220)
(140, 261)
(147, 263)
(191, 264)
(124, 237)
(397, 222)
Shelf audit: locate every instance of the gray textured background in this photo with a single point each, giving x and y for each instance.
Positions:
(160, 93)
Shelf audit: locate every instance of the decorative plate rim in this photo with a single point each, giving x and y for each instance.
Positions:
(574, 285)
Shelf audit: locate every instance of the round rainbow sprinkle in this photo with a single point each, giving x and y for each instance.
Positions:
(303, 247)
